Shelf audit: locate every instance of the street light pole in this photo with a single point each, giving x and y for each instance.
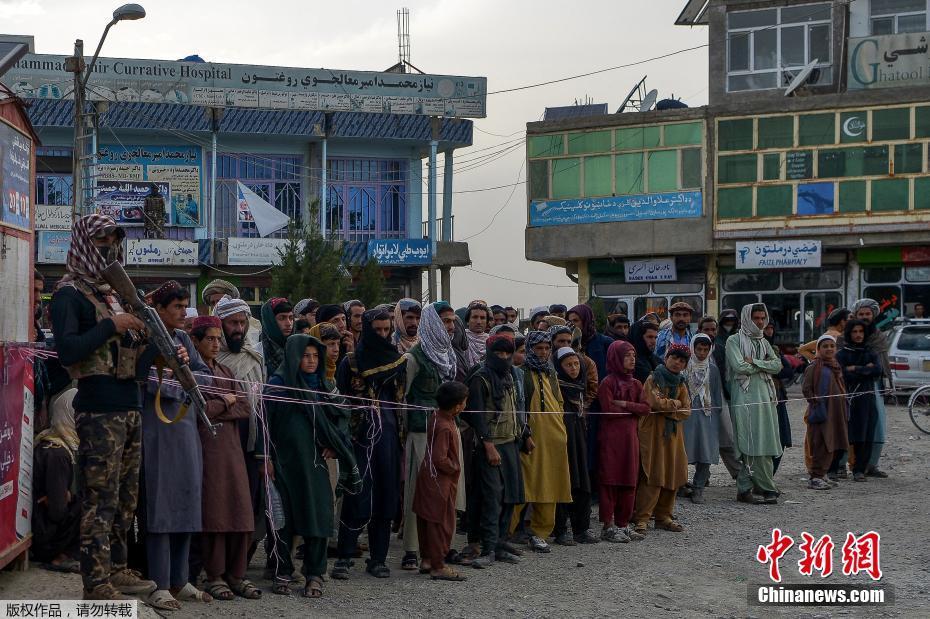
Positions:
(82, 72)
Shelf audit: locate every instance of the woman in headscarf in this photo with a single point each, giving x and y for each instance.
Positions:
(300, 439)
(643, 337)
(227, 527)
(861, 368)
(56, 516)
(406, 321)
(701, 428)
(576, 401)
(623, 403)
(545, 458)
(826, 414)
(751, 364)
(375, 372)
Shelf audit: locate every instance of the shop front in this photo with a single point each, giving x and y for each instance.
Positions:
(638, 287)
(898, 278)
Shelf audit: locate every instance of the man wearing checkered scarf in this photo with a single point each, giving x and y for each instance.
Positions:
(100, 346)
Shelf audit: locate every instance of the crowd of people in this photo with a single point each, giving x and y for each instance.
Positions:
(414, 420)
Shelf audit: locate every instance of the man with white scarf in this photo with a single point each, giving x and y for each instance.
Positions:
(476, 325)
(751, 363)
(247, 365)
(430, 362)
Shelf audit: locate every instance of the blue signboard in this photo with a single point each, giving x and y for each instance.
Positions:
(401, 252)
(15, 175)
(678, 205)
(180, 166)
(53, 246)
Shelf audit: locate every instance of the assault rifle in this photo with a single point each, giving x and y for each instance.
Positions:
(158, 335)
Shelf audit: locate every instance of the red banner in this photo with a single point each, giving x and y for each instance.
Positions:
(915, 255)
(16, 434)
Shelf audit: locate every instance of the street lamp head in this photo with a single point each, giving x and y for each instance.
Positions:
(128, 12)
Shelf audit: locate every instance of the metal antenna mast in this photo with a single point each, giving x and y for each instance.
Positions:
(403, 37)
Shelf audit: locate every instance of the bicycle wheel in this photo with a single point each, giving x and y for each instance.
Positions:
(919, 409)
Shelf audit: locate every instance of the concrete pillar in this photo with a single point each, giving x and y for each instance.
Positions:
(584, 281)
(852, 280)
(445, 277)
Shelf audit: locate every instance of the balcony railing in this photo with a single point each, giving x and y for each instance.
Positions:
(439, 229)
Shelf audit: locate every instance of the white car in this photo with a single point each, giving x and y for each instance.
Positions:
(909, 354)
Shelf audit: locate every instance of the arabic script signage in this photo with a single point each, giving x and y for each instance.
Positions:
(889, 60)
(657, 270)
(53, 246)
(679, 205)
(53, 217)
(43, 76)
(161, 251)
(778, 254)
(15, 177)
(123, 200)
(240, 250)
(402, 252)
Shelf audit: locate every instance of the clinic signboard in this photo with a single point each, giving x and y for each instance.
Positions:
(401, 252)
(677, 205)
(212, 84)
(778, 254)
(254, 251)
(888, 60)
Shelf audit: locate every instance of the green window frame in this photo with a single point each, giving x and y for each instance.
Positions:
(909, 158)
(737, 169)
(663, 171)
(891, 124)
(852, 197)
(684, 134)
(734, 203)
(598, 177)
(546, 145)
(922, 193)
(629, 172)
(566, 178)
(889, 194)
(774, 200)
(776, 132)
(638, 138)
(584, 142)
(735, 134)
(539, 180)
(771, 166)
(816, 129)
(692, 173)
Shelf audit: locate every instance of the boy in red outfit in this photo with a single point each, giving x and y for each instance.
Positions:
(437, 482)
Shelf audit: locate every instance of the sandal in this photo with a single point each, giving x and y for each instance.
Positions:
(670, 525)
(281, 586)
(409, 562)
(163, 600)
(447, 573)
(313, 588)
(219, 590)
(244, 588)
(190, 593)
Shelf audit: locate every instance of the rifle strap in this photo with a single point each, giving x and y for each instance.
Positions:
(160, 369)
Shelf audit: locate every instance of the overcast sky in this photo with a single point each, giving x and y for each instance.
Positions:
(512, 43)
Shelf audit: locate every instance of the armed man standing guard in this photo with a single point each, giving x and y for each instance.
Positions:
(100, 347)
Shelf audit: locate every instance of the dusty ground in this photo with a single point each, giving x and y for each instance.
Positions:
(701, 572)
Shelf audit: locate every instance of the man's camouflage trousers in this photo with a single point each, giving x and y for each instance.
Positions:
(108, 475)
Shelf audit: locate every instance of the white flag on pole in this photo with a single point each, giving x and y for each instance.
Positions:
(252, 208)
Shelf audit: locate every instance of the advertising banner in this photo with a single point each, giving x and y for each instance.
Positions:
(53, 246)
(254, 250)
(53, 217)
(400, 252)
(16, 430)
(124, 200)
(778, 254)
(161, 251)
(888, 60)
(15, 176)
(678, 205)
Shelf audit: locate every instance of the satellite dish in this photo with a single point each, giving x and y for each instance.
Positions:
(649, 100)
(801, 77)
(634, 92)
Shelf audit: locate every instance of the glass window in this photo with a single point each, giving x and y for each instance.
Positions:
(539, 180)
(805, 13)
(890, 195)
(914, 338)
(914, 294)
(889, 300)
(776, 132)
(566, 178)
(792, 46)
(734, 134)
(54, 189)
(736, 281)
(823, 279)
(597, 176)
(737, 169)
(738, 51)
(676, 287)
(884, 25)
(771, 167)
(620, 290)
(912, 23)
(612, 306)
(817, 307)
(922, 193)
(898, 16)
(752, 19)
(774, 200)
(545, 145)
(638, 137)
(629, 173)
(645, 305)
(663, 171)
(878, 275)
(816, 129)
(764, 49)
(737, 301)
(922, 120)
(589, 142)
(785, 314)
(891, 124)
(684, 133)
(856, 161)
(819, 43)
(908, 158)
(752, 81)
(917, 274)
(691, 173)
(852, 197)
(734, 202)
(275, 178)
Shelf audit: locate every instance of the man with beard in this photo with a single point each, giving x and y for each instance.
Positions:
(476, 322)
(499, 315)
(868, 310)
(97, 343)
(376, 372)
(216, 290)
(618, 327)
(247, 365)
(406, 321)
(430, 362)
(305, 310)
(354, 310)
(680, 331)
(708, 326)
(277, 326)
